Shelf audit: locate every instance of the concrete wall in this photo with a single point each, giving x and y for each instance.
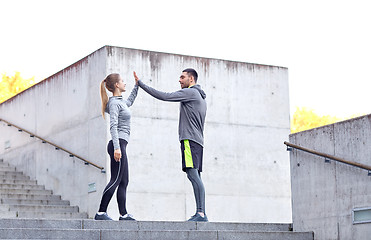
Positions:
(60, 109)
(324, 194)
(246, 170)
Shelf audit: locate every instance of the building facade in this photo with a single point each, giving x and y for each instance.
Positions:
(246, 168)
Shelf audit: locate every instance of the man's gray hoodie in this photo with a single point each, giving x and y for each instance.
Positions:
(120, 114)
(192, 110)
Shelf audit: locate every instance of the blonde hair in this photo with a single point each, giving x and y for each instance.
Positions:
(109, 83)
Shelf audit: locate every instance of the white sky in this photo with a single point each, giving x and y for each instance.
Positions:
(326, 45)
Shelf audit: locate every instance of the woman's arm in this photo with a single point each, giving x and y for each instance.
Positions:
(114, 119)
(132, 96)
(114, 115)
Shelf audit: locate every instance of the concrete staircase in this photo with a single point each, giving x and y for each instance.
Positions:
(136, 230)
(21, 197)
(28, 211)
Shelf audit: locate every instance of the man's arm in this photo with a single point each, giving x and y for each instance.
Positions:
(182, 95)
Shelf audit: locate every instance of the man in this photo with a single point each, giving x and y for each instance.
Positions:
(191, 127)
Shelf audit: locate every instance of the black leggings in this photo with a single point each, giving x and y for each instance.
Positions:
(119, 177)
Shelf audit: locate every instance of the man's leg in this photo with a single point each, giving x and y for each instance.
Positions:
(198, 189)
(192, 165)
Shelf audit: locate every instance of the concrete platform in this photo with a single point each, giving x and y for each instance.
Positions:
(135, 230)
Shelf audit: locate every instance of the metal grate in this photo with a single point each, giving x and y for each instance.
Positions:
(361, 215)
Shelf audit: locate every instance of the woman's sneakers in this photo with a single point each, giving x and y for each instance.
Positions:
(198, 218)
(102, 216)
(127, 217)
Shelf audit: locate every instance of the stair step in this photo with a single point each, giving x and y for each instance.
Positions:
(25, 191)
(4, 164)
(34, 202)
(21, 186)
(45, 215)
(39, 208)
(41, 223)
(143, 225)
(21, 197)
(259, 227)
(15, 181)
(10, 173)
(161, 225)
(204, 235)
(7, 168)
(147, 235)
(74, 215)
(49, 234)
(14, 176)
(29, 196)
(135, 230)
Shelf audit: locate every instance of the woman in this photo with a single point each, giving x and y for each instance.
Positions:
(118, 109)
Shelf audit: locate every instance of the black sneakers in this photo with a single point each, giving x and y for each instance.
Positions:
(197, 218)
(191, 219)
(127, 217)
(103, 216)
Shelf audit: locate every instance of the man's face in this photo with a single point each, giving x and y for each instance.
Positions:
(184, 80)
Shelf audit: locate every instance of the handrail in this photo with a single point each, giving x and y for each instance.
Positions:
(325, 155)
(55, 145)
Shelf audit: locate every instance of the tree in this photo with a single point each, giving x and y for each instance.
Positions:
(304, 119)
(12, 85)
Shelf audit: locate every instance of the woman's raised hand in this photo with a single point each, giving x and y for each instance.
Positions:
(136, 78)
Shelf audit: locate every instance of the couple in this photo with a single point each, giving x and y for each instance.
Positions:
(191, 126)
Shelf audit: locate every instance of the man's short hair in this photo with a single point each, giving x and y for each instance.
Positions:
(191, 72)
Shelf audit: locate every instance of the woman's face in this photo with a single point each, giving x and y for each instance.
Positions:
(121, 85)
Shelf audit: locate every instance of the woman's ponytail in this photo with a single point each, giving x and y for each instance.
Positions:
(103, 95)
(109, 83)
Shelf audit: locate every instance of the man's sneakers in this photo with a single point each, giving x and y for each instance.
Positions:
(103, 216)
(198, 218)
(191, 219)
(127, 217)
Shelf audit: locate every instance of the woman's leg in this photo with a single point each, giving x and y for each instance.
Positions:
(121, 191)
(116, 173)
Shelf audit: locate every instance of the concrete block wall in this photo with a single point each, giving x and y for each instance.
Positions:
(60, 110)
(324, 194)
(246, 168)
